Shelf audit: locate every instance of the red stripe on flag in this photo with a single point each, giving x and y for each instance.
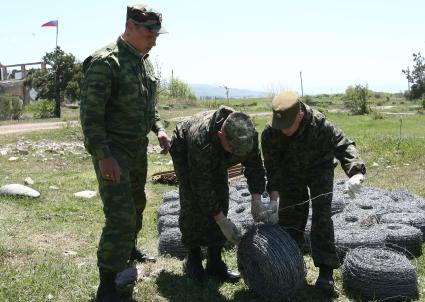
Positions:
(53, 23)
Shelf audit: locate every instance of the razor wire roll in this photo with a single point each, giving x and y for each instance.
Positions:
(169, 208)
(271, 263)
(166, 222)
(403, 238)
(414, 219)
(381, 274)
(171, 196)
(350, 238)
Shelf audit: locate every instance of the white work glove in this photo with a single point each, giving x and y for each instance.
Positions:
(353, 184)
(258, 210)
(229, 230)
(273, 212)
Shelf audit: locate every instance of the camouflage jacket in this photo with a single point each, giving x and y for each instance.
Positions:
(196, 148)
(309, 150)
(118, 100)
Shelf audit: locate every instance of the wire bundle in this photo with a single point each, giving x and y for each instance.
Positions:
(407, 197)
(170, 243)
(414, 219)
(381, 274)
(271, 263)
(166, 222)
(347, 239)
(403, 238)
(169, 208)
(170, 196)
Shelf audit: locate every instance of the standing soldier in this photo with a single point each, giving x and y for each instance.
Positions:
(203, 148)
(299, 148)
(118, 109)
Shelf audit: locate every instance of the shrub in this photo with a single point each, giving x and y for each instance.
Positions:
(357, 99)
(43, 109)
(377, 115)
(11, 107)
(423, 101)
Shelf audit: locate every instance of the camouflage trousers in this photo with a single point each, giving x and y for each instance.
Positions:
(123, 205)
(293, 213)
(197, 226)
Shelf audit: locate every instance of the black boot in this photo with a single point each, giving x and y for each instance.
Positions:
(107, 291)
(325, 281)
(139, 256)
(192, 265)
(218, 269)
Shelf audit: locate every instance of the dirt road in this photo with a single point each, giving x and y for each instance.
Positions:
(22, 128)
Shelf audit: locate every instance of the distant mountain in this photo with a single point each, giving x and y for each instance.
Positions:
(211, 91)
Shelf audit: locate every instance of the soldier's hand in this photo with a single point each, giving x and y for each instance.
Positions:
(258, 209)
(273, 212)
(228, 229)
(109, 169)
(164, 141)
(353, 184)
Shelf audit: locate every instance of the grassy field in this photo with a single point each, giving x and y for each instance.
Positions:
(48, 245)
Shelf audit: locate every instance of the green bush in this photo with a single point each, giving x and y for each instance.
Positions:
(423, 101)
(11, 107)
(42, 109)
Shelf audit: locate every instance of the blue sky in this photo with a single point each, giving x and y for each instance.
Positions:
(242, 44)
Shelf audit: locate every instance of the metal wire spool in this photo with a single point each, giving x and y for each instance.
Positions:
(366, 206)
(399, 207)
(271, 263)
(166, 222)
(169, 208)
(240, 196)
(381, 274)
(170, 196)
(414, 219)
(403, 238)
(403, 196)
(356, 218)
(242, 218)
(350, 238)
(239, 184)
(170, 243)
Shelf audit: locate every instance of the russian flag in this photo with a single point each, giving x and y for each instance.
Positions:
(53, 23)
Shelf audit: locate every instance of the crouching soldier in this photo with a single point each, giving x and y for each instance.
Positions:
(299, 147)
(203, 148)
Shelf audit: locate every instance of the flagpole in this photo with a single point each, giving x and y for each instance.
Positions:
(57, 30)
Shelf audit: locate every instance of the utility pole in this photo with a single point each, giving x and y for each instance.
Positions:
(301, 78)
(227, 92)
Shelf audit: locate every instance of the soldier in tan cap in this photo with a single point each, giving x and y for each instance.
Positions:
(299, 147)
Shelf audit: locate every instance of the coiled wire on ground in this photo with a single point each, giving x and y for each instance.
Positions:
(271, 263)
(381, 274)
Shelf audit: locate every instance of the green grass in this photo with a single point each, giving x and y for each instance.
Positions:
(37, 235)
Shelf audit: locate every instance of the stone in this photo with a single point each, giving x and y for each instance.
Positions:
(28, 181)
(85, 194)
(19, 190)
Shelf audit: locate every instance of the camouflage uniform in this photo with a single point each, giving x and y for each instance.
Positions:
(306, 159)
(201, 166)
(118, 109)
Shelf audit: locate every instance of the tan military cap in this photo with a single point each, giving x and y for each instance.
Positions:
(286, 106)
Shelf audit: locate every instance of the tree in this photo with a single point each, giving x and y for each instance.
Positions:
(356, 99)
(179, 90)
(52, 83)
(72, 90)
(416, 77)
